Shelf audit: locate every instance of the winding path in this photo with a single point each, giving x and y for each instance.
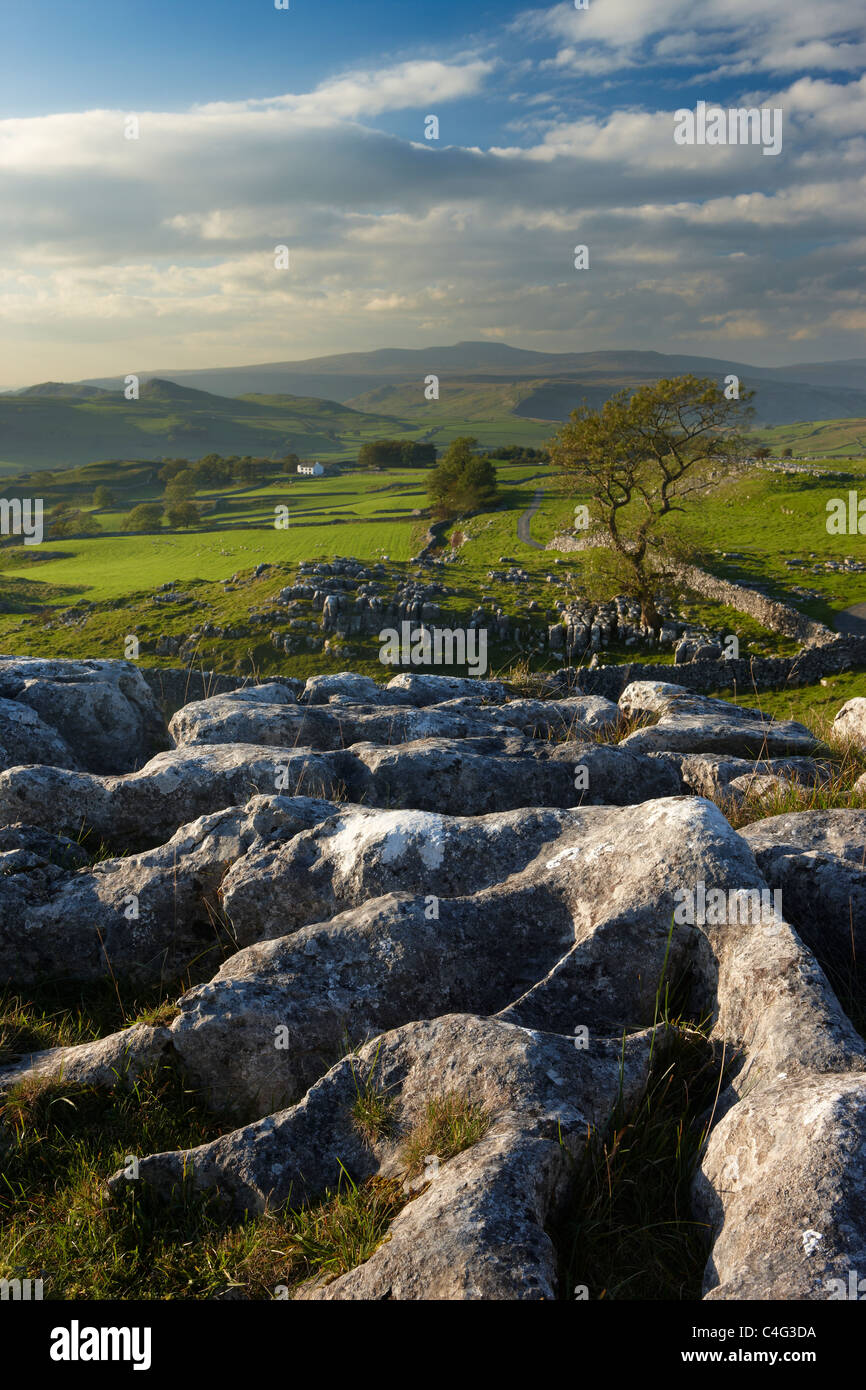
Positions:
(524, 521)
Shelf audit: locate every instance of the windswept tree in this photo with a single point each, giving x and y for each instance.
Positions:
(638, 461)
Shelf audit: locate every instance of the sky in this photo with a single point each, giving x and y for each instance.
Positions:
(255, 128)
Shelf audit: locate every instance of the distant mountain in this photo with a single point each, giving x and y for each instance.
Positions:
(56, 427)
(548, 384)
(62, 388)
(330, 405)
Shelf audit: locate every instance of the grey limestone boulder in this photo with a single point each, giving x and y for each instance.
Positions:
(103, 710)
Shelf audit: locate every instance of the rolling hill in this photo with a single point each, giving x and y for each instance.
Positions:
(329, 405)
(52, 426)
(545, 385)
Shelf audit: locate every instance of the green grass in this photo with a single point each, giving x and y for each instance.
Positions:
(448, 1125)
(64, 1015)
(345, 1227)
(60, 1143)
(373, 1109)
(766, 518)
(628, 1231)
(815, 705)
(817, 438)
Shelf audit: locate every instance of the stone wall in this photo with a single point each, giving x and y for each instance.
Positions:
(770, 613)
(742, 676)
(778, 617)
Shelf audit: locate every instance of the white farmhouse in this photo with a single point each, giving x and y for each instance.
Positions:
(311, 470)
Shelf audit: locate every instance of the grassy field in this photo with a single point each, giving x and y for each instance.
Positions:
(83, 596)
(822, 439)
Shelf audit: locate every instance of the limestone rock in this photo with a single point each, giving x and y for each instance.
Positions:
(363, 853)
(348, 684)
(174, 788)
(479, 1230)
(803, 1137)
(850, 722)
(817, 860)
(432, 690)
(242, 717)
(103, 710)
(697, 724)
(26, 739)
(115, 1060)
(143, 917)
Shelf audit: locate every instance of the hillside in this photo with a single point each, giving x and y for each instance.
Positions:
(544, 385)
(777, 402)
(819, 439)
(60, 427)
(328, 406)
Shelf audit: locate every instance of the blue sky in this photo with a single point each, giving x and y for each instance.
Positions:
(306, 128)
(171, 53)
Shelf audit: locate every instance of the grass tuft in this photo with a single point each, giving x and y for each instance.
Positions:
(345, 1227)
(449, 1124)
(373, 1109)
(846, 762)
(628, 1232)
(625, 725)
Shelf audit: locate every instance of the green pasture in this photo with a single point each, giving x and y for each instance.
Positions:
(818, 439)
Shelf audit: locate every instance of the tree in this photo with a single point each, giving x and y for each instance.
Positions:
(103, 496)
(211, 471)
(519, 453)
(147, 516)
(180, 514)
(181, 486)
(247, 470)
(637, 460)
(762, 452)
(787, 453)
(396, 453)
(68, 521)
(463, 481)
(171, 468)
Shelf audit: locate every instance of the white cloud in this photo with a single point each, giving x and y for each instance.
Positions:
(782, 36)
(159, 251)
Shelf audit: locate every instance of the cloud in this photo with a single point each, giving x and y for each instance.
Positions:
(732, 36)
(159, 251)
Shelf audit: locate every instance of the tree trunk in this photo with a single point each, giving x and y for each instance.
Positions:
(649, 614)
